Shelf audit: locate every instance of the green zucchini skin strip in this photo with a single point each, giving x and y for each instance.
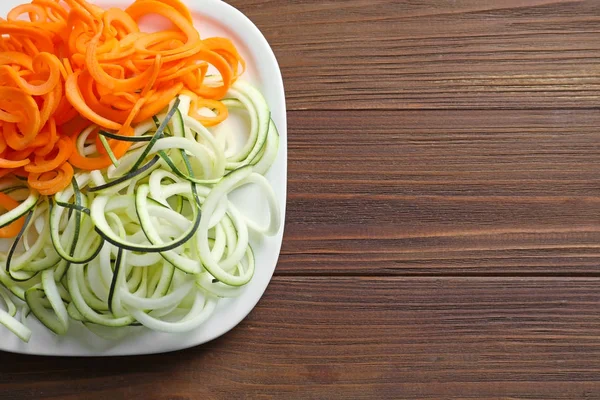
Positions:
(69, 256)
(159, 133)
(135, 139)
(97, 214)
(13, 248)
(127, 177)
(113, 283)
(22, 209)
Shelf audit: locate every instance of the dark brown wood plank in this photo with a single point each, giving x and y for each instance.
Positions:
(476, 186)
(403, 54)
(443, 192)
(370, 338)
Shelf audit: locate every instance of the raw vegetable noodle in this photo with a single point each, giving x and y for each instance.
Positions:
(66, 64)
(118, 165)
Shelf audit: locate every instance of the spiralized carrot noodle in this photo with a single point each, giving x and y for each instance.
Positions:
(67, 60)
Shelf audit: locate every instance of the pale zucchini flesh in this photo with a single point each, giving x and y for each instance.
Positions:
(153, 240)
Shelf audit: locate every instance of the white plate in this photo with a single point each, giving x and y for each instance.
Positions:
(211, 17)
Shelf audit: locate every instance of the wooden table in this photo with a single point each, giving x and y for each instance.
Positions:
(443, 227)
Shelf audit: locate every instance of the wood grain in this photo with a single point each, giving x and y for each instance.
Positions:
(368, 338)
(443, 228)
(443, 192)
(405, 54)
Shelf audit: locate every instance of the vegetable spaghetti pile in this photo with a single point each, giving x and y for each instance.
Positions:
(117, 165)
(66, 64)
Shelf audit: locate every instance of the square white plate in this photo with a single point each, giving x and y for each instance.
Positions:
(211, 18)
